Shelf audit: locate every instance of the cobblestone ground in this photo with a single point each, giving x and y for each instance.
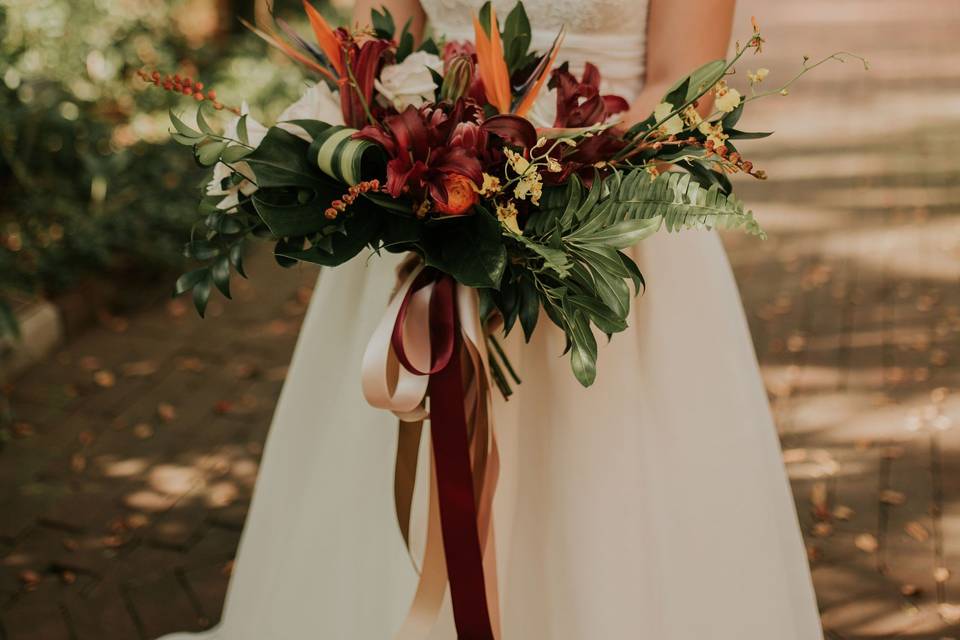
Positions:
(126, 470)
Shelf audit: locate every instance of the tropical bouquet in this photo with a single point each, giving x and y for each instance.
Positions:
(492, 163)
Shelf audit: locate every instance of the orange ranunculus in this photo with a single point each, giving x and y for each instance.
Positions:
(461, 195)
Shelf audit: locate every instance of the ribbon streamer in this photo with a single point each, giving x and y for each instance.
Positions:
(431, 344)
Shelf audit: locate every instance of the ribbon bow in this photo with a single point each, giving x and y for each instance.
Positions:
(431, 344)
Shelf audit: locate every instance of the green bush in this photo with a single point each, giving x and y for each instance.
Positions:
(91, 183)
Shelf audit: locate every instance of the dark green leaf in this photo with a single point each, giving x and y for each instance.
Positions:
(360, 230)
(201, 294)
(430, 46)
(747, 135)
(469, 248)
(383, 23)
(635, 274)
(517, 35)
(189, 280)
(405, 42)
(292, 193)
(220, 271)
(529, 307)
(236, 258)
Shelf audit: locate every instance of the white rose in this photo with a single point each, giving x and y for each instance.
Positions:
(317, 103)
(410, 82)
(256, 132)
(543, 113)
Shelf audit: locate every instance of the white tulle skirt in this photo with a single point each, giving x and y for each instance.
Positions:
(653, 505)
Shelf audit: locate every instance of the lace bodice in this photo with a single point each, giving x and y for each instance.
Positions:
(609, 33)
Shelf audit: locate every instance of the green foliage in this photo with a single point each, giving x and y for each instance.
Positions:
(91, 184)
(573, 260)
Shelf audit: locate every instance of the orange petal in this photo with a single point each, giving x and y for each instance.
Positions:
(531, 96)
(483, 62)
(500, 73)
(325, 37)
(491, 65)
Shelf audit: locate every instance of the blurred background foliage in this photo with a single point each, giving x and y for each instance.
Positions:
(91, 184)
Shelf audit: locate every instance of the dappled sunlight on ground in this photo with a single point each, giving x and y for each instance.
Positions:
(854, 303)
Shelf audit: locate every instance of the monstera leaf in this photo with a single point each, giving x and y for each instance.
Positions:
(292, 193)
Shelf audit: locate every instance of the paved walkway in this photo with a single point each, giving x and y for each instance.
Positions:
(129, 457)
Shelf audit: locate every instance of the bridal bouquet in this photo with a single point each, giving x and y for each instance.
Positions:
(513, 183)
(494, 164)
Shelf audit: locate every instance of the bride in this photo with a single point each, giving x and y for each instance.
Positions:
(652, 505)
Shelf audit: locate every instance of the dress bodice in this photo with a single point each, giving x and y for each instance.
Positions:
(609, 33)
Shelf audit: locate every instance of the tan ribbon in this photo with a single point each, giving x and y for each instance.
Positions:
(388, 385)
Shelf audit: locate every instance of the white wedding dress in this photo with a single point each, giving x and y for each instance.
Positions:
(653, 505)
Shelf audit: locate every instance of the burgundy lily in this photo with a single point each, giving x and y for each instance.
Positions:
(365, 62)
(436, 149)
(579, 103)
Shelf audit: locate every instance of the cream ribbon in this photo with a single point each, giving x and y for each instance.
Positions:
(390, 386)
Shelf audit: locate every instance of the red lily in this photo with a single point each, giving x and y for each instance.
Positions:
(365, 62)
(579, 103)
(428, 146)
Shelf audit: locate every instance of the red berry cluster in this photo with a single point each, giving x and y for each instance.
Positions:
(735, 160)
(339, 206)
(184, 85)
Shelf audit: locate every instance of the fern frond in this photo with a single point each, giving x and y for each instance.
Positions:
(673, 199)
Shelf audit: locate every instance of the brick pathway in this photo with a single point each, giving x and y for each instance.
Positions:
(127, 470)
(130, 463)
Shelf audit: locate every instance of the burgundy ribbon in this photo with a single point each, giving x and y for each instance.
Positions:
(451, 452)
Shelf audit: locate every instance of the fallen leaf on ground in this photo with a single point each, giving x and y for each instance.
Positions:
(191, 363)
(167, 412)
(29, 578)
(950, 613)
(893, 498)
(23, 429)
(78, 463)
(222, 407)
(917, 531)
(818, 498)
(910, 590)
(866, 542)
(822, 529)
(941, 574)
(90, 363)
(105, 379)
(143, 430)
(842, 512)
(137, 521)
(139, 369)
(793, 456)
